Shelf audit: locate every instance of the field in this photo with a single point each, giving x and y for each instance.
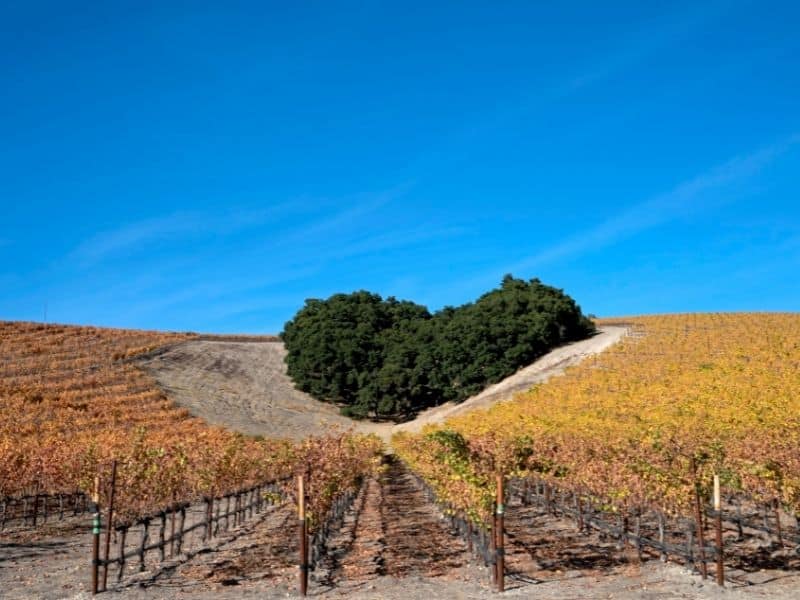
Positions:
(242, 386)
(641, 431)
(73, 401)
(634, 432)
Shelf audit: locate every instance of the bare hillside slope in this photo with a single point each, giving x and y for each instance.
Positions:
(244, 386)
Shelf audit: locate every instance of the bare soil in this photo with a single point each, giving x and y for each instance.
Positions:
(392, 544)
(243, 385)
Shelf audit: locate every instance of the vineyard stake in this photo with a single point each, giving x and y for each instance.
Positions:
(663, 550)
(161, 539)
(172, 528)
(777, 522)
(109, 520)
(718, 510)
(95, 532)
(301, 515)
(493, 544)
(181, 525)
(501, 586)
(701, 543)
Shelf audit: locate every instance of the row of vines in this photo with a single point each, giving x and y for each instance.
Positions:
(73, 402)
(646, 425)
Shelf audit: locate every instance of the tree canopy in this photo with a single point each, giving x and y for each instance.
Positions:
(387, 358)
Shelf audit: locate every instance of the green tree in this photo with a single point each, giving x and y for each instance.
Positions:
(391, 358)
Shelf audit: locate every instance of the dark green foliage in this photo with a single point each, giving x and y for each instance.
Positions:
(387, 358)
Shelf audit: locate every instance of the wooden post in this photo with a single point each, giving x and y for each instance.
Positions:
(493, 543)
(778, 528)
(207, 531)
(181, 526)
(217, 518)
(469, 536)
(109, 520)
(123, 534)
(638, 533)
(718, 520)
(162, 544)
(95, 533)
(172, 528)
(739, 530)
(701, 542)
(303, 531)
(623, 529)
(501, 586)
(143, 543)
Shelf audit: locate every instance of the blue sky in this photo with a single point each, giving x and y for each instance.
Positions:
(207, 167)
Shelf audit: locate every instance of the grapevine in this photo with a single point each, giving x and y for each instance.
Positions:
(648, 423)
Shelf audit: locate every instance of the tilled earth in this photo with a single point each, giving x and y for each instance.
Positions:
(392, 543)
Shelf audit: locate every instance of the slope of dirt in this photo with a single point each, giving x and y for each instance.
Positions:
(243, 385)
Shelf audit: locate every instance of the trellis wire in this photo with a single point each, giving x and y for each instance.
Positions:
(477, 536)
(38, 509)
(246, 503)
(586, 515)
(333, 521)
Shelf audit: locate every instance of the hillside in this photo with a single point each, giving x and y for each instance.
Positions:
(641, 416)
(644, 433)
(244, 386)
(241, 385)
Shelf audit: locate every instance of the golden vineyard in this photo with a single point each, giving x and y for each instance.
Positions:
(72, 401)
(647, 423)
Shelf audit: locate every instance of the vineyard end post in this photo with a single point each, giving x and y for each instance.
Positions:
(500, 534)
(303, 530)
(699, 524)
(95, 533)
(109, 521)
(718, 519)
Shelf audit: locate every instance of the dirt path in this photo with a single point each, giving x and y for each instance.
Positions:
(244, 386)
(51, 562)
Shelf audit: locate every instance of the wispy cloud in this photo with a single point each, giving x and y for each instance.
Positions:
(107, 244)
(118, 240)
(356, 211)
(393, 239)
(680, 201)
